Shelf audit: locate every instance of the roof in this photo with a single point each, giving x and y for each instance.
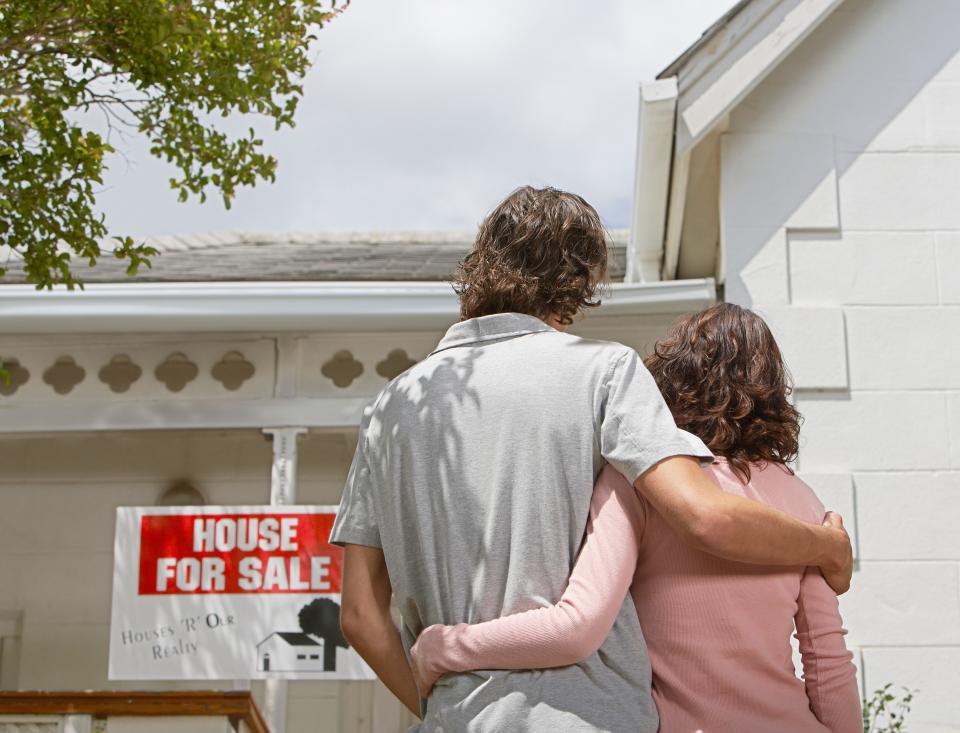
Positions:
(705, 38)
(733, 56)
(293, 638)
(305, 256)
(688, 105)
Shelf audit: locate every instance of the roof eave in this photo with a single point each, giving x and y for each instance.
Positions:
(712, 77)
(678, 63)
(751, 43)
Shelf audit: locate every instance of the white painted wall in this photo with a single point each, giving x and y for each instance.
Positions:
(840, 210)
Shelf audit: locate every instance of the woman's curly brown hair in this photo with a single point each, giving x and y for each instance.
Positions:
(723, 378)
(541, 252)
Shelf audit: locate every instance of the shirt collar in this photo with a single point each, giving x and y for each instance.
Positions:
(491, 328)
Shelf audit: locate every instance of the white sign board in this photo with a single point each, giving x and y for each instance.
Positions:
(228, 593)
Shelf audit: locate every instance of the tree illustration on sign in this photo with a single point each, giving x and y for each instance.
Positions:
(321, 618)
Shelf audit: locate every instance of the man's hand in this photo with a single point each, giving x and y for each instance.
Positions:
(732, 527)
(839, 571)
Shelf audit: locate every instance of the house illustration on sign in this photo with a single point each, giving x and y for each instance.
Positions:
(290, 651)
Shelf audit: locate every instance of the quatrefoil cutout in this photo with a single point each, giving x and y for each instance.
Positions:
(342, 369)
(176, 372)
(64, 374)
(120, 373)
(17, 375)
(232, 370)
(396, 363)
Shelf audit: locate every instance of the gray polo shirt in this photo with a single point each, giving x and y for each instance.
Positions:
(474, 471)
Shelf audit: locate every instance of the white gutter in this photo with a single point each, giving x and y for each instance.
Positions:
(658, 108)
(286, 306)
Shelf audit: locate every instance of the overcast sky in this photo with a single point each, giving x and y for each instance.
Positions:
(423, 114)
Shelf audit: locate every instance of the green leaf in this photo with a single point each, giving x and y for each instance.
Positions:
(179, 66)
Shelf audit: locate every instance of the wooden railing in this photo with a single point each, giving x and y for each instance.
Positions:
(238, 706)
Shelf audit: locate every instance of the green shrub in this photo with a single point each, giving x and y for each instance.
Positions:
(885, 711)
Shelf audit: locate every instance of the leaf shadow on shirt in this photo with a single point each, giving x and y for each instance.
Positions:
(446, 512)
(422, 453)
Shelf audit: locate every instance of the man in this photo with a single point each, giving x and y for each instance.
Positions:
(471, 484)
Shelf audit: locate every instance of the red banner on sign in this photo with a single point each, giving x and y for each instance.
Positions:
(238, 553)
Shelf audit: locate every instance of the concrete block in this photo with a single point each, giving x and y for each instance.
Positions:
(304, 714)
(755, 266)
(10, 583)
(66, 587)
(872, 431)
(908, 515)
(135, 455)
(65, 517)
(835, 491)
(900, 191)
(948, 266)
(904, 348)
(906, 603)
(941, 102)
(813, 344)
(868, 268)
(313, 689)
(47, 650)
(905, 129)
(821, 86)
(930, 671)
(953, 413)
(778, 180)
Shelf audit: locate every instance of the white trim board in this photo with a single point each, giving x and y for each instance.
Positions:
(322, 412)
(657, 116)
(286, 306)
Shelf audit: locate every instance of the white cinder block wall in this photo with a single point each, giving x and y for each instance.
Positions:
(840, 210)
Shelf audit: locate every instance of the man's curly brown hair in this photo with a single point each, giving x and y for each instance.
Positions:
(723, 378)
(541, 252)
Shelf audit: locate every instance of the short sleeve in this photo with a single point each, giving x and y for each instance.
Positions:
(636, 427)
(356, 522)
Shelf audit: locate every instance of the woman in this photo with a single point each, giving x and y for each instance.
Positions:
(718, 632)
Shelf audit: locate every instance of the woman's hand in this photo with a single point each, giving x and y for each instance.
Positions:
(424, 658)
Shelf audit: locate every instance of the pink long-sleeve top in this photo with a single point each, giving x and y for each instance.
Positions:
(718, 632)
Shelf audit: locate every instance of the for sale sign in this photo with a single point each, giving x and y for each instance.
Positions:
(228, 593)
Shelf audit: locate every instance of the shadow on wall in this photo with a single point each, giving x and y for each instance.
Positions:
(794, 138)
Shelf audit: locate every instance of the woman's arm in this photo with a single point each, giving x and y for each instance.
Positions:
(828, 672)
(558, 635)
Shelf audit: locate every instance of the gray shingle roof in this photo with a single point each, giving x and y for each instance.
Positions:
(302, 256)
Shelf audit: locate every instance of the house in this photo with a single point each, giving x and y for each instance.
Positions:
(290, 651)
(802, 159)
(191, 384)
(806, 153)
